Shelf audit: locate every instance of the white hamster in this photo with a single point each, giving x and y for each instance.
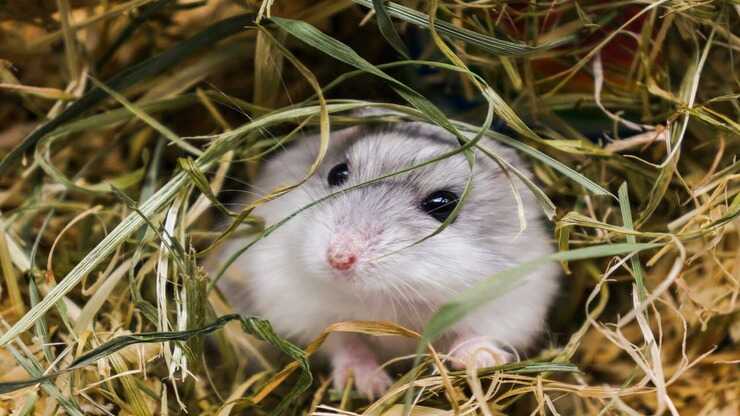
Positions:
(340, 260)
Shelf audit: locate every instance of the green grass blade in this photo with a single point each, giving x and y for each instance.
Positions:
(41, 326)
(485, 42)
(338, 50)
(35, 370)
(624, 206)
(385, 25)
(553, 163)
(146, 118)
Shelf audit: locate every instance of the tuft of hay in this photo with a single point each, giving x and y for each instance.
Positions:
(130, 125)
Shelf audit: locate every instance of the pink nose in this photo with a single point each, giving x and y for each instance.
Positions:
(341, 260)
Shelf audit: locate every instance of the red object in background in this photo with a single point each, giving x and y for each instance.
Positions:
(619, 52)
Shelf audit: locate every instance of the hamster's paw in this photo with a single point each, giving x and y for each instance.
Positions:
(370, 379)
(478, 352)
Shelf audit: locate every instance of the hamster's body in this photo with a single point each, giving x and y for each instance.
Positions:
(352, 257)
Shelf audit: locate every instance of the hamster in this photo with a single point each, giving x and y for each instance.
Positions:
(352, 257)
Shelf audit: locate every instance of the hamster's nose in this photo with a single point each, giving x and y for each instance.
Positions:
(343, 251)
(341, 259)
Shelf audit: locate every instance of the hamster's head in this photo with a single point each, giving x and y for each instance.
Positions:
(366, 239)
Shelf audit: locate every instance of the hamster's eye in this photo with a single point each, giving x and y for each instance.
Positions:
(338, 174)
(439, 204)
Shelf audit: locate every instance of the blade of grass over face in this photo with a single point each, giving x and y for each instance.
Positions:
(270, 229)
(131, 76)
(338, 50)
(530, 151)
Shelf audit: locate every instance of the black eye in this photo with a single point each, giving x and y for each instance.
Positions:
(338, 174)
(439, 204)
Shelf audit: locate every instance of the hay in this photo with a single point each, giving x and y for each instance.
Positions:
(127, 126)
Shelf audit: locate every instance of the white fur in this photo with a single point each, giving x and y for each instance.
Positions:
(285, 278)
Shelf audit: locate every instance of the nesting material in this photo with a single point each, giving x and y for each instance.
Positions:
(129, 127)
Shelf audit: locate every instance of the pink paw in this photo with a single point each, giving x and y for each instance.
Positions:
(478, 352)
(369, 378)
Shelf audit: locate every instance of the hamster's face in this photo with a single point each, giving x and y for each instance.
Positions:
(362, 240)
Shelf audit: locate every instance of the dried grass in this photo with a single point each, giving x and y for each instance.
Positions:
(133, 122)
